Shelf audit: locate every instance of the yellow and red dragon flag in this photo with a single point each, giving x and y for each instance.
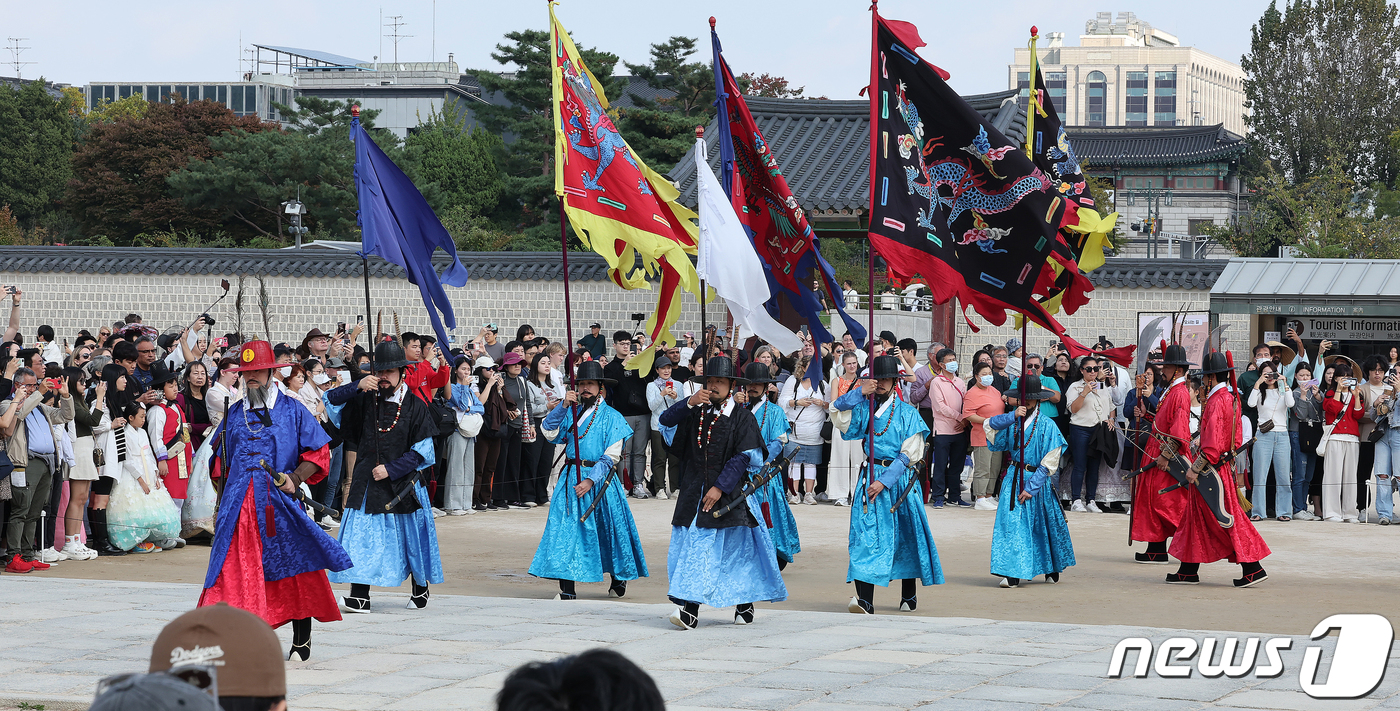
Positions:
(618, 206)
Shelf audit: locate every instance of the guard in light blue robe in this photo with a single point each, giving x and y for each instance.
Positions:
(770, 500)
(573, 550)
(887, 545)
(1033, 539)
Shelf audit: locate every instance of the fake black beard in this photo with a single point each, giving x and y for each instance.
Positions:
(880, 399)
(587, 401)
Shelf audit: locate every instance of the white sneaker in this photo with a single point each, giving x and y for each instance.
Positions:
(329, 522)
(822, 497)
(457, 512)
(1361, 518)
(438, 513)
(1335, 519)
(640, 492)
(172, 543)
(840, 502)
(984, 504)
(75, 550)
(1092, 507)
(661, 494)
(1078, 506)
(51, 556)
(794, 499)
(1350, 519)
(809, 499)
(1304, 515)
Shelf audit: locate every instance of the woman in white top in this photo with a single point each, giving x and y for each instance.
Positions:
(1090, 404)
(223, 393)
(1273, 399)
(805, 405)
(846, 455)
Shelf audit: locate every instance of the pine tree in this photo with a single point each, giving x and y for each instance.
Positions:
(36, 147)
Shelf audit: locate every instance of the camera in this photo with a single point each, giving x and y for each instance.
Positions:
(208, 320)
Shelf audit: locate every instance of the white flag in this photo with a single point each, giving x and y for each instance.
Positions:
(728, 263)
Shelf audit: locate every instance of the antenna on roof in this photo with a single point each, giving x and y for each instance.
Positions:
(15, 51)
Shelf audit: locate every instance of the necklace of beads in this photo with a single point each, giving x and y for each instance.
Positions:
(702, 435)
(888, 422)
(591, 419)
(397, 413)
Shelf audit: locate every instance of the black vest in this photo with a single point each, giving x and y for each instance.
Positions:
(415, 422)
(728, 436)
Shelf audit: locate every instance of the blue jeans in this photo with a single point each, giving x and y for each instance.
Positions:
(949, 452)
(1387, 452)
(1303, 465)
(1086, 464)
(1273, 447)
(331, 497)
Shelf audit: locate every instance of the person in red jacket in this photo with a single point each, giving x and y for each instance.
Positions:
(1343, 407)
(421, 375)
(1156, 515)
(1199, 536)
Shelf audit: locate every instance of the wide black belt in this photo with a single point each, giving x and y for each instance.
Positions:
(580, 462)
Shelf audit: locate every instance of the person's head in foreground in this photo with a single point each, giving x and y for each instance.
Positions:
(238, 644)
(597, 680)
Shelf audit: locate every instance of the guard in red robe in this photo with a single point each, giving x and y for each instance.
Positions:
(1155, 516)
(268, 556)
(1200, 537)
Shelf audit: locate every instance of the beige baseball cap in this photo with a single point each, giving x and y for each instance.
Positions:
(243, 647)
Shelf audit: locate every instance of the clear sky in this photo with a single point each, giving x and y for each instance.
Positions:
(820, 44)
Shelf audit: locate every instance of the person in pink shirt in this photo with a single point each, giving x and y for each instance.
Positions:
(950, 436)
(981, 403)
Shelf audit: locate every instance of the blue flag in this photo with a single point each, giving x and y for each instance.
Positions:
(397, 224)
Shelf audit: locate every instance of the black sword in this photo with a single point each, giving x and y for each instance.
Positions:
(601, 490)
(278, 478)
(914, 469)
(766, 474)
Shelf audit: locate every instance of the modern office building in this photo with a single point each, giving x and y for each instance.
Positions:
(254, 97)
(1125, 72)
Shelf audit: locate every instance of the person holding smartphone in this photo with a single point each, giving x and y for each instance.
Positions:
(1272, 399)
(1387, 447)
(1304, 432)
(1342, 409)
(1090, 406)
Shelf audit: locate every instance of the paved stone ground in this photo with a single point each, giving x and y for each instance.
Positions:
(59, 636)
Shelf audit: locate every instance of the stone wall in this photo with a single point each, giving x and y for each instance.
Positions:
(70, 302)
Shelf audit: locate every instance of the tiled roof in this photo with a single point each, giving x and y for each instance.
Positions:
(638, 86)
(822, 146)
(1159, 273)
(532, 266)
(1117, 146)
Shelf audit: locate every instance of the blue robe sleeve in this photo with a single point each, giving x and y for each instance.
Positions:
(1002, 421)
(332, 410)
(733, 469)
(675, 414)
(600, 469)
(1036, 480)
(892, 474)
(850, 399)
(404, 465)
(342, 394)
(555, 418)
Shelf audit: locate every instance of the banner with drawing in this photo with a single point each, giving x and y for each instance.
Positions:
(1191, 327)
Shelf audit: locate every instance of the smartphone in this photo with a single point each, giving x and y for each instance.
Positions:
(221, 342)
(54, 383)
(10, 290)
(359, 319)
(340, 328)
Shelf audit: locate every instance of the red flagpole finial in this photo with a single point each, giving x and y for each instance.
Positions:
(355, 110)
(699, 131)
(712, 22)
(1034, 31)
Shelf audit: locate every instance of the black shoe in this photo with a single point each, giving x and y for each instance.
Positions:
(1183, 579)
(1052, 578)
(358, 605)
(1009, 582)
(860, 607)
(686, 617)
(1151, 558)
(301, 639)
(491, 507)
(1252, 579)
(519, 505)
(781, 565)
(419, 599)
(908, 604)
(743, 614)
(106, 548)
(618, 588)
(479, 507)
(565, 596)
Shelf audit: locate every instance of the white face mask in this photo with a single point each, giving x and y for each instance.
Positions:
(1261, 361)
(951, 366)
(986, 381)
(285, 371)
(320, 378)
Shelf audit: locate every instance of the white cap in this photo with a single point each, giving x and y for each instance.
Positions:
(484, 362)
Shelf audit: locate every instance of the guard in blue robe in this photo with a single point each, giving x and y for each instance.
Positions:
(1033, 538)
(887, 545)
(388, 527)
(770, 499)
(575, 547)
(720, 555)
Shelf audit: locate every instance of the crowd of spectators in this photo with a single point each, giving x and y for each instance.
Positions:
(1319, 434)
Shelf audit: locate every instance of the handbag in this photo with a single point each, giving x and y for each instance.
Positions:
(1326, 435)
(527, 429)
(444, 416)
(7, 467)
(469, 423)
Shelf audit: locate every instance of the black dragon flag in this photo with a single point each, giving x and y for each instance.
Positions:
(951, 198)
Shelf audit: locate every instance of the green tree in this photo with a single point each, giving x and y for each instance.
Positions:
(526, 163)
(458, 160)
(36, 147)
(661, 130)
(119, 184)
(1321, 77)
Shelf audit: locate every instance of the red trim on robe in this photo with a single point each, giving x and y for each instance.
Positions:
(322, 459)
(277, 602)
(1156, 516)
(1199, 537)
